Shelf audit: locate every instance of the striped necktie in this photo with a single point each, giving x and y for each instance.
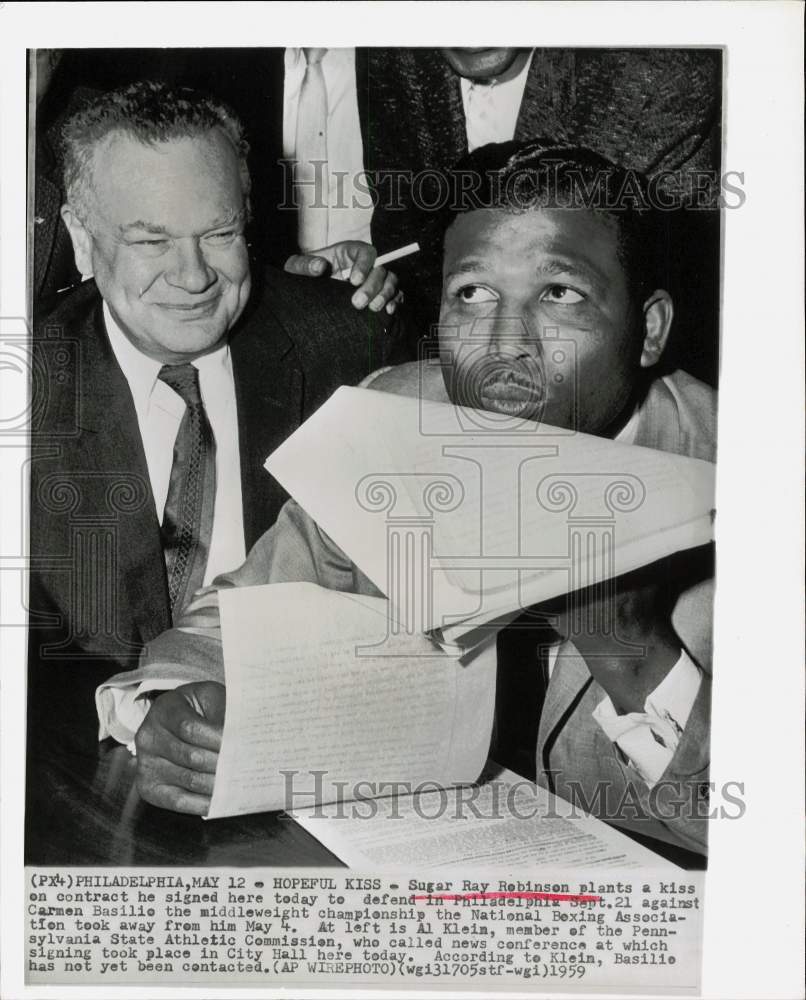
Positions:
(311, 174)
(187, 523)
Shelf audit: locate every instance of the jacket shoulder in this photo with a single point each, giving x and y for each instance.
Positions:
(331, 339)
(414, 378)
(68, 309)
(297, 300)
(697, 410)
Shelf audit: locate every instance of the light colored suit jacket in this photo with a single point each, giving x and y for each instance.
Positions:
(677, 415)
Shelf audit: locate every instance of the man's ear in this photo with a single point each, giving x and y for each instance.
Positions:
(658, 315)
(81, 239)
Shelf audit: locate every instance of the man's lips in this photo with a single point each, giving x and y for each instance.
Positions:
(512, 391)
(191, 308)
(511, 384)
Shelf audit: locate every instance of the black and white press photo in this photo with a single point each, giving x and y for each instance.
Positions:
(373, 509)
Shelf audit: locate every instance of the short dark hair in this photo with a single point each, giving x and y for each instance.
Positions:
(151, 113)
(521, 176)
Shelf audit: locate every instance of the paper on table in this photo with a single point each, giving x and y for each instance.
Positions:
(511, 824)
(316, 685)
(501, 519)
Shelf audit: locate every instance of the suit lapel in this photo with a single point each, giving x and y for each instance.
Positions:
(48, 201)
(362, 71)
(568, 677)
(550, 96)
(269, 394)
(456, 121)
(530, 123)
(110, 448)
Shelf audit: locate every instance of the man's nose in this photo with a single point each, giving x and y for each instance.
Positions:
(506, 333)
(190, 270)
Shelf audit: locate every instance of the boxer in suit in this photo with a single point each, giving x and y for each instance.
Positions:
(622, 733)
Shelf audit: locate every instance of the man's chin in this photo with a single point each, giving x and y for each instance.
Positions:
(186, 340)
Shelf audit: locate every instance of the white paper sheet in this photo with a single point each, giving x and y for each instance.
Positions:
(508, 823)
(319, 685)
(458, 521)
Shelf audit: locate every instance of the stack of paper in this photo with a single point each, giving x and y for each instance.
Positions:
(323, 703)
(460, 519)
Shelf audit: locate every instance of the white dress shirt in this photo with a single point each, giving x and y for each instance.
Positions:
(648, 740)
(159, 413)
(349, 210)
(492, 107)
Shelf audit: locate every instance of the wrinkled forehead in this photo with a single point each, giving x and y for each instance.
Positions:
(503, 236)
(122, 152)
(129, 176)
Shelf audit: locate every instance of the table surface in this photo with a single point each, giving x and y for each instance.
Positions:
(82, 806)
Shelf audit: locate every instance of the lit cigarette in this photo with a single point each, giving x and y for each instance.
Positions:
(385, 258)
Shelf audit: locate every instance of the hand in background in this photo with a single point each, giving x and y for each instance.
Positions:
(177, 747)
(375, 286)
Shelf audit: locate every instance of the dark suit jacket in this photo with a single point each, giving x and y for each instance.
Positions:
(651, 110)
(98, 589)
(54, 265)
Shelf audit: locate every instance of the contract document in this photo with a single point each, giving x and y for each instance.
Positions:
(504, 823)
(461, 517)
(328, 701)
(373, 740)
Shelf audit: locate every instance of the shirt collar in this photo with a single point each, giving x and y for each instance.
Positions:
(141, 371)
(295, 58)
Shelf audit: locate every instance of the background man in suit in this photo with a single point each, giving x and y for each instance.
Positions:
(653, 110)
(518, 261)
(162, 384)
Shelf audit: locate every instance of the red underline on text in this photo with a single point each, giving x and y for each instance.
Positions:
(557, 897)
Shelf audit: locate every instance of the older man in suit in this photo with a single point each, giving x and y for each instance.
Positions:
(161, 385)
(252, 82)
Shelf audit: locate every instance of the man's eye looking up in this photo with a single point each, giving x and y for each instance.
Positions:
(474, 294)
(562, 295)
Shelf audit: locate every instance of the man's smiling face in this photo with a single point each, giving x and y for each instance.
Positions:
(164, 239)
(515, 283)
